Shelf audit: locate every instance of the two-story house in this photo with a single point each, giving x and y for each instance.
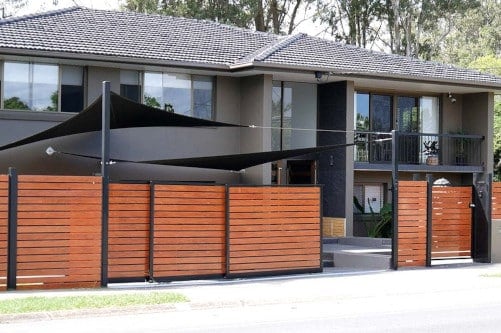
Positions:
(298, 91)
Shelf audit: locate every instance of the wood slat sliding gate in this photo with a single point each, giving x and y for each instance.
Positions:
(434, 222)
(165, 232)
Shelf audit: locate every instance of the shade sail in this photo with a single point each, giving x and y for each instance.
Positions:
(124, 113)
(234, 162)
(239, 162)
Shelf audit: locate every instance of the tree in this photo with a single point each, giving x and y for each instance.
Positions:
(476, 34)
(278, 16)
(352, 21)
(418, 27)
(15, 103)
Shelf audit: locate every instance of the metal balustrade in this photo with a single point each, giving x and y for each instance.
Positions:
(419, 148)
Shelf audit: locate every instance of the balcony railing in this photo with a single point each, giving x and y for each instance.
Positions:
(419, 148)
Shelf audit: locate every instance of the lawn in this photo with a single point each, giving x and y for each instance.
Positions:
(56, 303)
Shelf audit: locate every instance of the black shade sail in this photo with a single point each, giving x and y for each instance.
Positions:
(239, 162)
(124, 113)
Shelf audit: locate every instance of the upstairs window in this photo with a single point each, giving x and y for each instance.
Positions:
(29, 86)
(42, 87)
(184, 94)
(130, 86)
(72, 89)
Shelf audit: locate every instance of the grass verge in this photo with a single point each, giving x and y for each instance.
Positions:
(495, 275)
(44, 304)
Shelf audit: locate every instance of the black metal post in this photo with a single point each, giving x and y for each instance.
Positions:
(394, 174)
(105, 161)
(151, 253)
(12, 231)
(429, 217)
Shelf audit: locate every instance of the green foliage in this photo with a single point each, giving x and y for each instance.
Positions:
(278, 16)
(497, 139)
(380, 225)
(15, 103)
(45, 304)
(151, 101)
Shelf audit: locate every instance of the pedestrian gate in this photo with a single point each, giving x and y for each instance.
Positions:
(451, 219)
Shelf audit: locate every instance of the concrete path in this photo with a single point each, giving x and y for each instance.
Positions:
(334, 286)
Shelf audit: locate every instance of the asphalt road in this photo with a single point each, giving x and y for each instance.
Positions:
(431, 300)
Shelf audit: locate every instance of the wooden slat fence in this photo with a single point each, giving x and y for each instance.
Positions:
(59, 232)
(189, 234)
(162, 232)
(496, 200)
(412, 222)
(4, 212)
(274, 229)
(451, 222)
(129, 231)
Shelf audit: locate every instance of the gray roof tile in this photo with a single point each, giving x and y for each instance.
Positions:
(167, 39)
(317, 53)
(128, 34)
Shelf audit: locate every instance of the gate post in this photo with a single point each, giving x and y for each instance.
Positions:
(394, 158)
(105, 161)
(12, 231)
(151, 252)
(429, 217)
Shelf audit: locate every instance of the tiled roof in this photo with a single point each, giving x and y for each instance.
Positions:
(128, 34)
(317, 53)
(164, 39)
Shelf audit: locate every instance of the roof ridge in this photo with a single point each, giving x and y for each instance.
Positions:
(279, 44)
(42, 14)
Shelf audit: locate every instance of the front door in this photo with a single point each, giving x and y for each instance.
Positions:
(451, 222)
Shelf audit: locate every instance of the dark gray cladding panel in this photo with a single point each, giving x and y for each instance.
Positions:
(332, 165)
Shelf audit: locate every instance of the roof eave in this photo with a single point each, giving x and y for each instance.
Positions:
(369, 75)
(110, 59)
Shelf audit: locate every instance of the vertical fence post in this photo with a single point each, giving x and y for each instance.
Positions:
(429, 217)
(151, 252)
(105, 157)
(12, 231)
(394, 158)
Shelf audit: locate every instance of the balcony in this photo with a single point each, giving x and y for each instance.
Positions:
(419, 152)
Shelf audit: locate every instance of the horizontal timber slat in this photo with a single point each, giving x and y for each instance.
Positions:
(267, 228)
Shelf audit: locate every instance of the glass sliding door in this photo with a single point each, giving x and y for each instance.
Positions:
(408, 122)
(381, 121)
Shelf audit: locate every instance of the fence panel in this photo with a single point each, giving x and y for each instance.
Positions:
(451, 226)
(412, 222)
(129, 232)
(496, 200)
(189, 232)
(274, 229)
(4, 203)
(59, 232)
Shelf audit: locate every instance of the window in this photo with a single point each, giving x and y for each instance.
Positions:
(72, 89)
(29, 86)
(130, 86)
(368, 197)
(42, 87)
(180, 93)
(294, 106)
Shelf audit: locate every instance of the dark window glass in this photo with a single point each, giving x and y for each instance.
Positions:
(130, 91)
(72, 98)
(72, 89)
(381, 113)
